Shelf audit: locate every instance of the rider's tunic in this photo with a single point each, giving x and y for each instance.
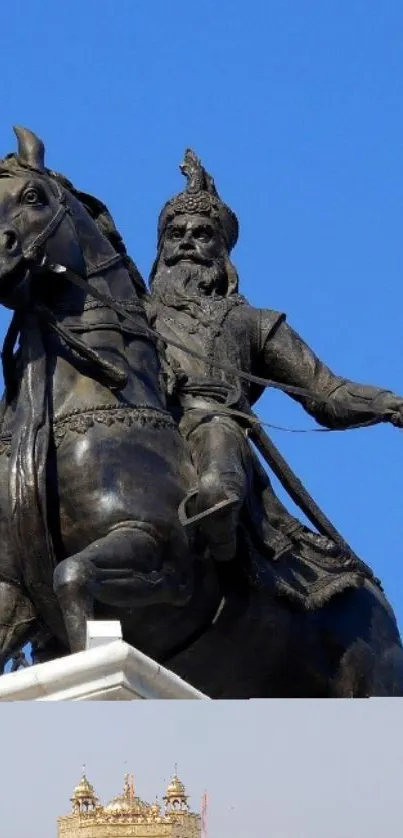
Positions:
(228, 331)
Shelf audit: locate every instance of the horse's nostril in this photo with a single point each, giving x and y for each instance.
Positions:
(9, 241)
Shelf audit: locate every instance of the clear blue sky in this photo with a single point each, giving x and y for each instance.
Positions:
(297, 109)
(279, 769)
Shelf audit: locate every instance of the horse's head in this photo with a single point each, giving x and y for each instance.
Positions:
(44, 220)
(34, 220)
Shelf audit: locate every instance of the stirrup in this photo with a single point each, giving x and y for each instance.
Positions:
(190, 521)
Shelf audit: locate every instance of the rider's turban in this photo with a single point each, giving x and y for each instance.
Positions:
(200, 197)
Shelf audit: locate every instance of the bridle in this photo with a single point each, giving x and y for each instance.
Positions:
(31, 253)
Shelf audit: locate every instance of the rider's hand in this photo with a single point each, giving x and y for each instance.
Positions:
(394, 411)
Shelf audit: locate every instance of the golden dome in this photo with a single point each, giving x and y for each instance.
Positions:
(84, 793)
(176, 790)
(175, 796)
(126, 801)
(120, 803)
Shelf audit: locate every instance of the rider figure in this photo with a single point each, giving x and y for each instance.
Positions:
(195, 301)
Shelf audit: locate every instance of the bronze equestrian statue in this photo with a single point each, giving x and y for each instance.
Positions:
(94, 468)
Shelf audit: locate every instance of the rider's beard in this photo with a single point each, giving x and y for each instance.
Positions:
(190, 278)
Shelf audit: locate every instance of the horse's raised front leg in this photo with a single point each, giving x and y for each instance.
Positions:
(361, 625)
(130, 566)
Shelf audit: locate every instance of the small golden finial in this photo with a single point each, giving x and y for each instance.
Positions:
(155, 809)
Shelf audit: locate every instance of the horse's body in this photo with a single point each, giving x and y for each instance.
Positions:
(93, 469)
(115, 468)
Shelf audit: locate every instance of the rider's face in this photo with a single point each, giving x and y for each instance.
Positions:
(192, 238)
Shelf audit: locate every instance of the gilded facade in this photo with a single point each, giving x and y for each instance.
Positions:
(128, 816)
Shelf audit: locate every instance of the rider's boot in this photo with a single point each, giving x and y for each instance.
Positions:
(214, 511)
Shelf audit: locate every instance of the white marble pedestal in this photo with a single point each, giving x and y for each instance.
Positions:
(109, 670)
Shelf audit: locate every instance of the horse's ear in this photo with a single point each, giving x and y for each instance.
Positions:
(31, 149)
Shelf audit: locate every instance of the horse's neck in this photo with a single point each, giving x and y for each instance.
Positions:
(100, 328)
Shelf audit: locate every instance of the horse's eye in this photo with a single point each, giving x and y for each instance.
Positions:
(32, 196)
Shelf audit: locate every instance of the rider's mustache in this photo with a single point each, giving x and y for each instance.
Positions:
(188, 256)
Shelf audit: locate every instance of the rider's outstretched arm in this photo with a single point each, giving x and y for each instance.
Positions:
(333, 401)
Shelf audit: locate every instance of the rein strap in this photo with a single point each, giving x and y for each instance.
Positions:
(152, 334)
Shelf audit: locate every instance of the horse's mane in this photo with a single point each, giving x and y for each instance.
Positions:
(12, 165)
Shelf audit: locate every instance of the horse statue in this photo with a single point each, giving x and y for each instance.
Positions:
(93, 470)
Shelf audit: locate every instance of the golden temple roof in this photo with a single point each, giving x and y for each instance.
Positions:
(127, 806)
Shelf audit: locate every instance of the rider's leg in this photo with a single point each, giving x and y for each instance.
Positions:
(217, 448)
